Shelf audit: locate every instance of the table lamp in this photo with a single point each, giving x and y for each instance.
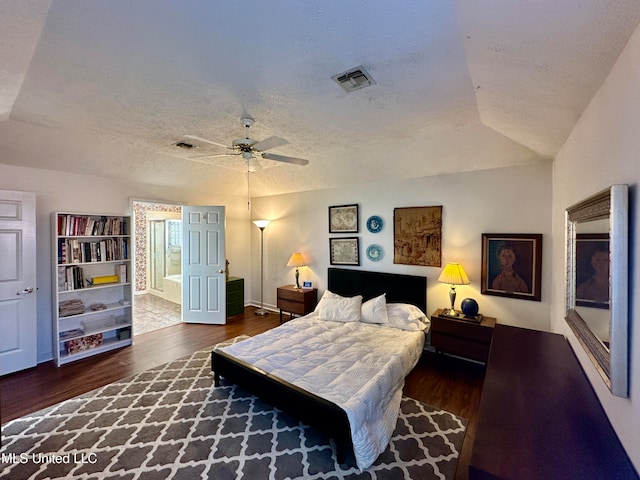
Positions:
(296, 260)
(453, 274)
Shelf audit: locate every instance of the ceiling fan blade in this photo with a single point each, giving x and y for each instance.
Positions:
(204, 140)
(213, 155)
(283, 158)
(269, 143)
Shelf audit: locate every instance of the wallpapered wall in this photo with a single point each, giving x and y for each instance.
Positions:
(140, 210)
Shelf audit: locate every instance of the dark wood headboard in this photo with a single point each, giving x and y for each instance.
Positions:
(399, 288)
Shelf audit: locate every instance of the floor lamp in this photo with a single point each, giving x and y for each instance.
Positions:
(261, 224)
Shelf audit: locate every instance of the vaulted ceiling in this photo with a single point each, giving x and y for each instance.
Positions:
(108, 87)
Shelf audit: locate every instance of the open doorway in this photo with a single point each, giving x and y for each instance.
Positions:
(158, 266)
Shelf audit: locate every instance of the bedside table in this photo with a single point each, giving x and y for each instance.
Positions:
(235, 296)
(298, 302)
(460, 337)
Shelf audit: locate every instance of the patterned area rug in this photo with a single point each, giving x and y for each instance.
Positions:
(170, 422)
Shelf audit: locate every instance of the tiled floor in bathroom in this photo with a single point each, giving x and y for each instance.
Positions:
(151, 313)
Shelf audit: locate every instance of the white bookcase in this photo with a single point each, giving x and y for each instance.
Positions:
(93, 295)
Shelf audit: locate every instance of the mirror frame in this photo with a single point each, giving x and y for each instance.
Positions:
(612, 364)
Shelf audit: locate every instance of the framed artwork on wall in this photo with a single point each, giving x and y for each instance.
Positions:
(344, 251)
(417, 236)
(343, 219)
(592, 270)
(512, 265)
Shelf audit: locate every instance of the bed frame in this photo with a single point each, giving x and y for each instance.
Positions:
(305, 406)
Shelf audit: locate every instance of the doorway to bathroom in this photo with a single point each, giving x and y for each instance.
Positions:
(158, 266)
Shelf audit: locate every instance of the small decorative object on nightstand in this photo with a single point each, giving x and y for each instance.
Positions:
(297, 261)
(462, 338)
(296, 301)
(453, 274)
(469, 307)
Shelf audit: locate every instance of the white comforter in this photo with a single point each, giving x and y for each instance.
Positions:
(359, 367)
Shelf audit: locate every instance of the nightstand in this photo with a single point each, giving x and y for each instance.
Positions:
(461, 337)
(235, 296)
(296, 301)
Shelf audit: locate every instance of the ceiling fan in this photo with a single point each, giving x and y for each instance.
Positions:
(250, 149)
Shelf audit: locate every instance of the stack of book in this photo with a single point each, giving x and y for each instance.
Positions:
(77, 251)
(70, 278)
(71, 307)
(85, 225)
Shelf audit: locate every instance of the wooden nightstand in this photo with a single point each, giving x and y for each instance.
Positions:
(298, 302)
(460, 337)
(235, 296)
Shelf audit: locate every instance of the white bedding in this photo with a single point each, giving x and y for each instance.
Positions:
(358, 366)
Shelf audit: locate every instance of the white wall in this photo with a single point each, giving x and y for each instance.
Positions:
(56, 191)
(603, 150)
(505, 200)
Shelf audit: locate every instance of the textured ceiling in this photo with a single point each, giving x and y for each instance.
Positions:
(107, 87)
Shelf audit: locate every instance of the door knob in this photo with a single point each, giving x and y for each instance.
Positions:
(25, 291)
(220, 271)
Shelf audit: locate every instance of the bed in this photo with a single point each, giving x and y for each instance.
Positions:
(263, 370)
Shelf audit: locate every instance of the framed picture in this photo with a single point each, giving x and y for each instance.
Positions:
(344, 251)
(417, 236)
(343, 219)
(512, 265)
(592, 270)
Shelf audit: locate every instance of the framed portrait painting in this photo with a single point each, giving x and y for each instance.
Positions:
(592, 270)
(512, 265)
(344, 251)
(417, 236)
(343, 219)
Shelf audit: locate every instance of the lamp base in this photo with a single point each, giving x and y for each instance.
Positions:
(262, 312)
(450, 312)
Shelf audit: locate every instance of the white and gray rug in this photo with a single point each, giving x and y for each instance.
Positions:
(171, 422)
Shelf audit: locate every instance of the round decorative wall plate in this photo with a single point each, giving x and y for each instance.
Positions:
(374, 224)
(375, 253)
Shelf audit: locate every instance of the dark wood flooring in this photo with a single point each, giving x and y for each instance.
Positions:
(444, 382)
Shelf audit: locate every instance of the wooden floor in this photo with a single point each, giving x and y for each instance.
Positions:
(444, 382)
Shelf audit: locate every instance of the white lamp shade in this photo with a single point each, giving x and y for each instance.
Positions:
(454, 274)
(296, 260)
(261, 223)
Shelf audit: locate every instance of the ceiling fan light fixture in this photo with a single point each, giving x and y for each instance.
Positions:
(354, 79)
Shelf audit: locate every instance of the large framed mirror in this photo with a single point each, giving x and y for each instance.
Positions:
(597, 308)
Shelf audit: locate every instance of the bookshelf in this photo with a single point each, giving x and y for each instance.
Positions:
(93, 294)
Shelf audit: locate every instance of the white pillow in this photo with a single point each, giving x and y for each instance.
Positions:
(375, 310)
(406, 317)
(339, 309)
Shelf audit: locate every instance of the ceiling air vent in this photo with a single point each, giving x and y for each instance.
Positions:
(354, 79)
(185, 145)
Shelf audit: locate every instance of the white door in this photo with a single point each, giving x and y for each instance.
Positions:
(203, 265)
(18, 322)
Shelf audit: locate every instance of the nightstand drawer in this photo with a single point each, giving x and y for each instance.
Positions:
(291, 306)
(287, 294)
(461, 347)
(237, 296)
(462, 328)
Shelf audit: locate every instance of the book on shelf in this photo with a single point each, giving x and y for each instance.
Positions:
(70, 278)
(76, 332)
(90, 225)
(122, 272)
(70, 307)
(73, 250)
